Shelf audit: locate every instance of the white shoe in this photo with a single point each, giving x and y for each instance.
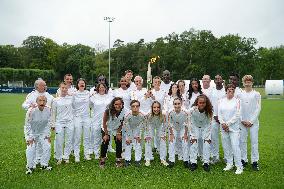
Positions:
(66, 161)
(77, 159)
(29, 171)
(47, 168)
(164, 162)
(239, 170)
(180, 158)
(111, 150)
(59, 162)
(87, 157)
(228, 167)
(148, 163)
(97, 156)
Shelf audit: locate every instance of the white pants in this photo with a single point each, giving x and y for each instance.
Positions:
(231, 146)
(173, 144)
(162, 150)
(155, 136)
(96, 138)
(178, 145)
(39, 142)
(137, 148)
(64, 132)
(254, 142)
(215, 130)
(79, 124)
(202, 135)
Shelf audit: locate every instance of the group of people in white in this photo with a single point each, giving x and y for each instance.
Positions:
(171, 118)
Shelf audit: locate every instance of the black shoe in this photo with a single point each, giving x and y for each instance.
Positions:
(193, 166)
(137, 163)
(206, 167)
(255, 166)
(185, 164)
(171, 164)
(127, 163)
(244, 163)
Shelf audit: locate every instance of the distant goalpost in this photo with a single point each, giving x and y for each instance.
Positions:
(15, 84)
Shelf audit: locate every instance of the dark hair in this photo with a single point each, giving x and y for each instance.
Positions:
(230, 86)
(127, 85)
(98, 86)
(208, 108)
(190, 89)
(62, 83)
(81, 79)
(111, 109)
(128, 71)
(104, 77)
(67, 75)
(134, 101)
(171, 90)
(152, 112)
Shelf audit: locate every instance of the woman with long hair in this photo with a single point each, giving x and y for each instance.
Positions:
(200, 127)
(112, 125)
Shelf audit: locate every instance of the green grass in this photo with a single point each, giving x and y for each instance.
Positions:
(89, 175)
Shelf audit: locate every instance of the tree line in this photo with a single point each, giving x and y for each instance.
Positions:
(187, 55)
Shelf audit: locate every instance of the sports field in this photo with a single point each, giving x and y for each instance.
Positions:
(89, 175)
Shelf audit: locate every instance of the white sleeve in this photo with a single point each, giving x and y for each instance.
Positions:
(235, 118)
(257, 110)
(53, 113)
(220, 115)
(28, 102)
(28, 128)
(48, 126)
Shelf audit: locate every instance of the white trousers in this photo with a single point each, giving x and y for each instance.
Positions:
(39, 142)
(79, 124)
(137, 148)
(96, 138)
(63, 140)
(202, 135)
(162, 150)
(254, 142)
(172, 145)
(231, 146)
(215, 130)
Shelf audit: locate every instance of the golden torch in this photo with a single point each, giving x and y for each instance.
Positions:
(149, 75)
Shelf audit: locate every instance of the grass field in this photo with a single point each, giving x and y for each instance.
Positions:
(89, 175)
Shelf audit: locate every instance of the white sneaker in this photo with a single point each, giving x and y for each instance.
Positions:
(228, 167)
(148, 163)
(29, 171)
(239, 170)
(59, 162)
(77, 159)
(97, 156)
(47, 168)
(164, 162)
(111, 150)
(180, 158)
(66, 161)
(87, 157)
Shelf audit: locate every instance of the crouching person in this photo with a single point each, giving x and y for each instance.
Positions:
(133, 123)
(37, 134)
(200, 127)
(112, 124)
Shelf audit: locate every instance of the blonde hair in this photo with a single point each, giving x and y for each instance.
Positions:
(247, 78)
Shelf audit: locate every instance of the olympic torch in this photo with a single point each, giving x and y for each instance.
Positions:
(149, 74)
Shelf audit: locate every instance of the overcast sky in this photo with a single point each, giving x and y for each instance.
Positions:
(81, 21)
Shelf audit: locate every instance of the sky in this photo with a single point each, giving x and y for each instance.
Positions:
(82, 21)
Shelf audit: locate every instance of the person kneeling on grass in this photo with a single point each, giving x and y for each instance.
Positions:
(178, 126)
(200, 127)
(37, 134)
(133, 124)
(112, 123)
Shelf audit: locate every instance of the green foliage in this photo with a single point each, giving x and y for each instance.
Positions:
(87, 174)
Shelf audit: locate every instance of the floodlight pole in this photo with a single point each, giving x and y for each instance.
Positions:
(109, 20)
